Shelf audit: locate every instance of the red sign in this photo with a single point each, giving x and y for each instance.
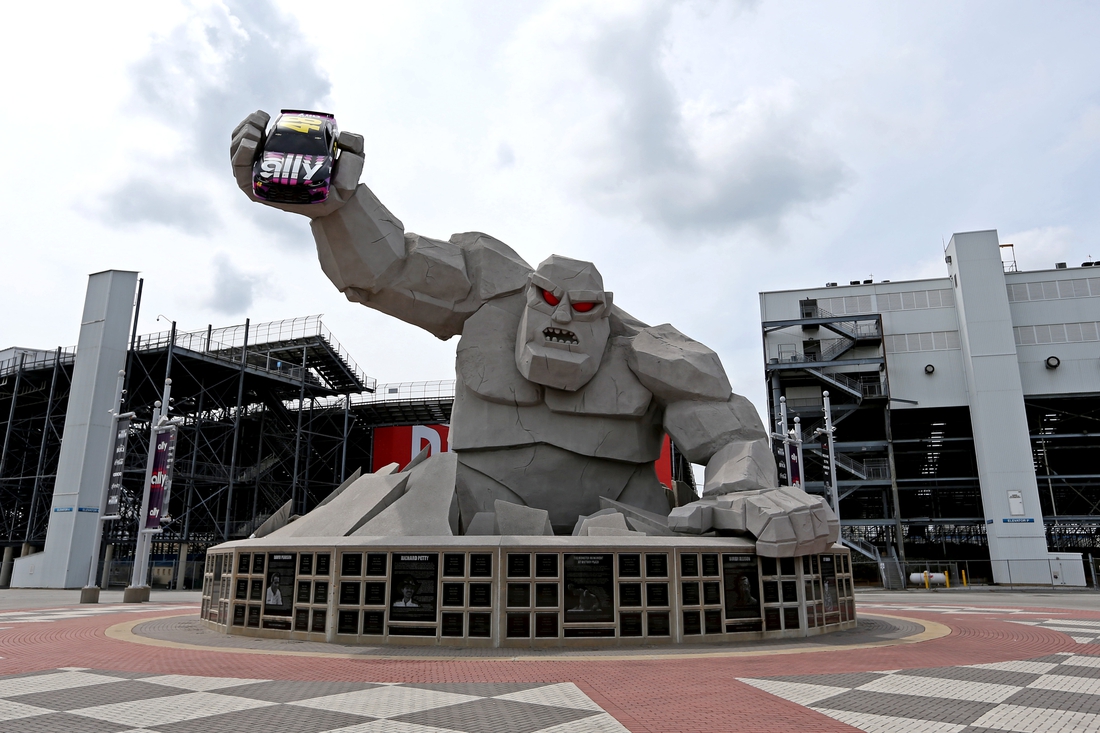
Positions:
(402, 443)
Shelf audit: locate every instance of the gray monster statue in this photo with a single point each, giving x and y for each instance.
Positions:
(562, 399)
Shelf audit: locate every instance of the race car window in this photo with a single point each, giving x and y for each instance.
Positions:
(286, 141)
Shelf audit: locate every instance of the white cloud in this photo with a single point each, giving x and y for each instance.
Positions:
(1040, 248)
(233, 289)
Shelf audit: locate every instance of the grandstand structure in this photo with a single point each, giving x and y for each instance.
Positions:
(268, 413)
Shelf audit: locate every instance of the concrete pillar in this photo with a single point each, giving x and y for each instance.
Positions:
(181, 566)
(108, 556)
(5, 569)
(88, 437)
(26, 549)
(1002, 445)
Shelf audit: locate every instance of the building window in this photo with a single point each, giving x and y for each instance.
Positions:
(1057, 333)
(900, 343)
(916, 300)
(1054, 290)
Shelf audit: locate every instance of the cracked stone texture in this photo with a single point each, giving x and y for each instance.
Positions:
(429, 506)
(514, 519)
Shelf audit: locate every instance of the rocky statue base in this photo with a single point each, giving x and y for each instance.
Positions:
(523, 591)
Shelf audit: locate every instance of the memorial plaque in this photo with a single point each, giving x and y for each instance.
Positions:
(656, 566)
(771, 619)
(320, 591)
(656, 594)
(318, 621)
(786, 566)
(768, 566)
(519, 565)
(806, 565)
(254, 616)
(829, 589)
(790, 618)
(546, 566)
(481, 625)
(742, 583)
(301, 619)
(454, 594)
(347, 622)
(413, 587)
(630, 624)
(373, 622)
(689, 593)
(304, 586)
(518, 625)
(630, 566)
(242, 563)
(238, 615)
(481, 595)
(349, 593)
(454, 565)
(280, 624)
(589, 588)
(375, 595)
(710, 565)
(322, 563)
(242, 589)
(546, 625)
(376, 563)
(546, 595)
(741, 627)
(451, 624)
(588, 633)
(692, 625)
(712, 593)
(351, 563)
(657, 624)
(258, 563)
(689, 565)
(519, 595)
(844, 559)
(771, 591)
(630, 595)
(790, 591)
(305, 563)
(412, 631)
(713, 621)
(481, 566)
(280, 585)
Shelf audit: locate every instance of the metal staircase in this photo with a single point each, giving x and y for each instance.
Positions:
(889, 568)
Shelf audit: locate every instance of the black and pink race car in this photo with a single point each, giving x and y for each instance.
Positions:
(299, 152)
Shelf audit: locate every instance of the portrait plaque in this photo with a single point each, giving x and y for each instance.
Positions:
(279, 592)
(742, 584)
(322, 563)
(413, 587)
(589, 588)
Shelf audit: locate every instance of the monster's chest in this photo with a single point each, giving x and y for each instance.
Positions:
(612, 416)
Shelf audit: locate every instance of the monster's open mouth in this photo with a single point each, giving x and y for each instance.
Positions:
(560, 336)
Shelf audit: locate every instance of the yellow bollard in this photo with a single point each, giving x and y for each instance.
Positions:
(926, 586)
(965, 584)
(947, 577)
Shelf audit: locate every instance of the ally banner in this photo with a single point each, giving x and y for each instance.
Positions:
(164, 454)
(118, 463)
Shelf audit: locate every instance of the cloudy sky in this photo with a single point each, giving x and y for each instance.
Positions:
(698, 152)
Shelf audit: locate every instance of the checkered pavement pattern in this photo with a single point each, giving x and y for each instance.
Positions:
(66, 613)
(98, 701)
(1059, 693)
(1080, 630)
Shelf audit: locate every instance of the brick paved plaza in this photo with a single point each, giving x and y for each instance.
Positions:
(944, 661)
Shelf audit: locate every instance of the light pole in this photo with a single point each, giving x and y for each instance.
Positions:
(828, 432)
(785, 437)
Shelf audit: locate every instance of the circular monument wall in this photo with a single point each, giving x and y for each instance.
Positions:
(523, 591)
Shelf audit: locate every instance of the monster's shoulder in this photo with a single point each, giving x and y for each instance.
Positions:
(675, 367)
(493, 268)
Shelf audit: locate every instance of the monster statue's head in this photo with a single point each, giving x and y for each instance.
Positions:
(564, 329)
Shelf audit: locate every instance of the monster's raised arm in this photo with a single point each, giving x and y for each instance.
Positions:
(366, 253)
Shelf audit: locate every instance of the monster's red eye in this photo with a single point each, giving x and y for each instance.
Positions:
(584, 307)
(550, 297)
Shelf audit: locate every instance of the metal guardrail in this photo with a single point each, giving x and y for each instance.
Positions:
(34, 359)
(432, 391)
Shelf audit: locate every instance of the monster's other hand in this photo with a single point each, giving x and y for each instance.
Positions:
(248, 141)
(786, 521)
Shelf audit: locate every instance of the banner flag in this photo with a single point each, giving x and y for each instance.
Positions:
(164, 455)
(118, 463)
